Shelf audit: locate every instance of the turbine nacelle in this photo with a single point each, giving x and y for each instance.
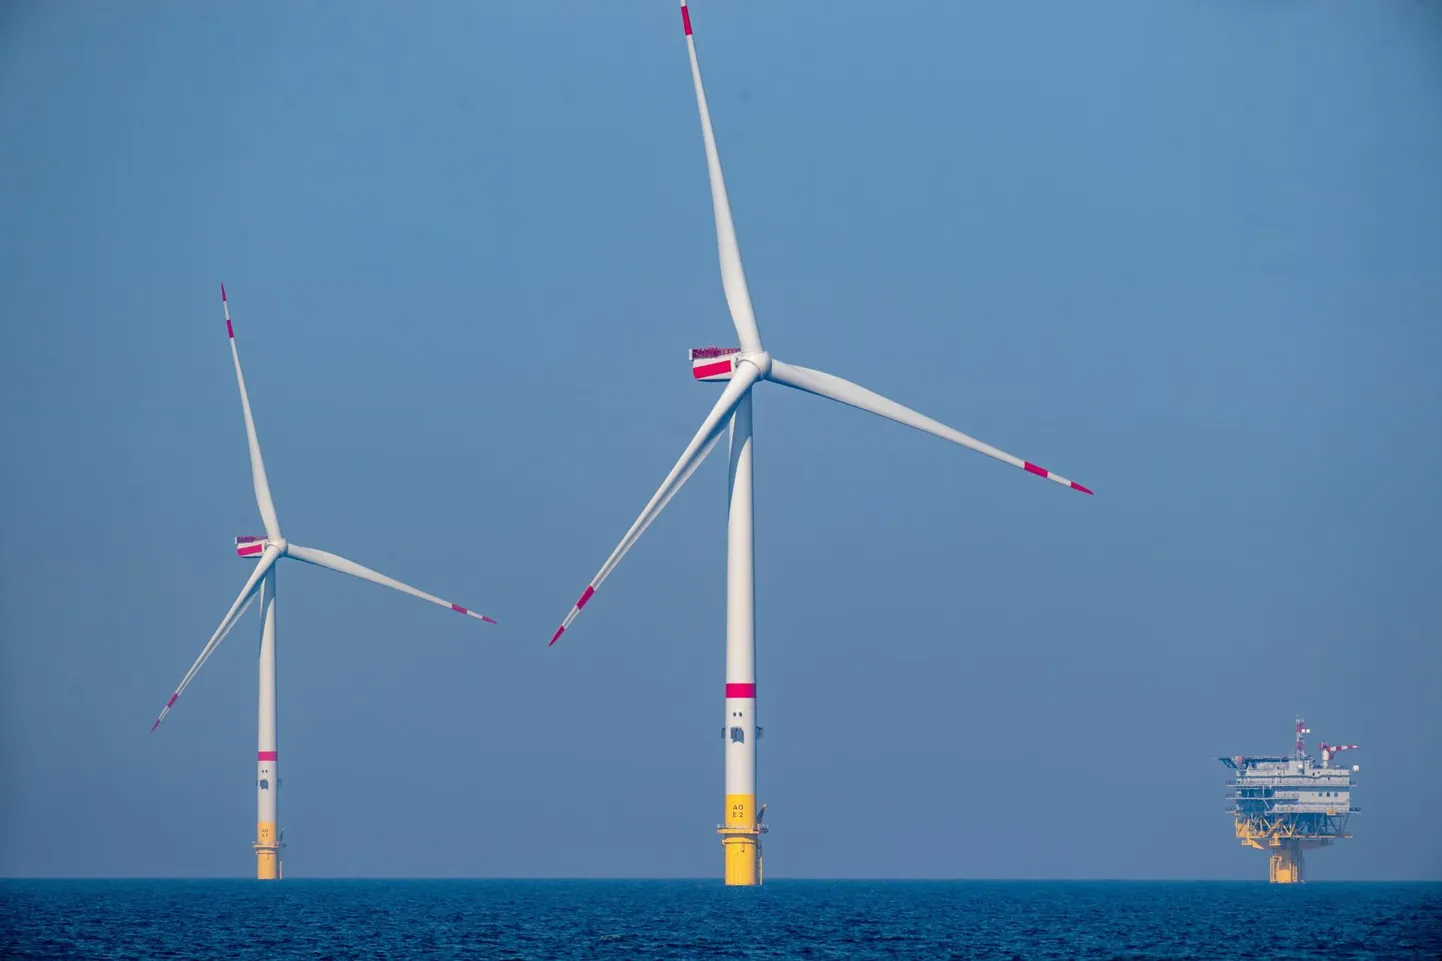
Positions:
(719, 363)
(251, 547)
(714, 363)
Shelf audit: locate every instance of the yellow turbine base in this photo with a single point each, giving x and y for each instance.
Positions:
(741, 841)
(267, 852)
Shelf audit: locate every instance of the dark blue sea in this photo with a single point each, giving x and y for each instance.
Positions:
(598, 920)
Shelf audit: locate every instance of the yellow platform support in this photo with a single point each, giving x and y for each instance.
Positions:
(741, 841)
(267, 851)
(1286, 865)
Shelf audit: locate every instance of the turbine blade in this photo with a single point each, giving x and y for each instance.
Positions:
(733, 278)
(242, 602)
(696, 451)
(844, 391)
(335, 562)
(257, 466)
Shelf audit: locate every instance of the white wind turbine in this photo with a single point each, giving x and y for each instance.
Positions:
(267, 551)
(742, 368)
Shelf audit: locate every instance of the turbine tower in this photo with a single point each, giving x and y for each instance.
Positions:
(267, 551)
(741, 368)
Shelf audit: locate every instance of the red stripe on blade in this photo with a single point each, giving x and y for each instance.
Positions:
(686, 19)
(711, 370)
(740, 690)
(1038, 471)
(155, 725)
(222, 292)
(173, 698)
(248, 551)
(1077, 487)
(459, 609)
(228, 330)
(487, 619)
(557, 636)
(265, 755)
(586, 595)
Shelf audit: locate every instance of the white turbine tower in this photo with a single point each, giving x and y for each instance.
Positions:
(267, 551)
(742, 368)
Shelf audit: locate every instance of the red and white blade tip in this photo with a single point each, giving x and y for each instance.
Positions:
(469, 613)
(685, 18)
(1043, 472)
(581, 602)
(225, 304)
(164, 711)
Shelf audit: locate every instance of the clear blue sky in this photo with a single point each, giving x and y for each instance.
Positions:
(1185, 253)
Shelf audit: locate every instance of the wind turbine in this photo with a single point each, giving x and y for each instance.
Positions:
(741, 369)
(267, 551)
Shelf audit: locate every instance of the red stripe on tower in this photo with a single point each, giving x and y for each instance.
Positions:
(686, 19)
(741, 690)
(265, 755)
(711, 370)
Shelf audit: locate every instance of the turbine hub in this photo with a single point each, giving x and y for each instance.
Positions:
(758, 359)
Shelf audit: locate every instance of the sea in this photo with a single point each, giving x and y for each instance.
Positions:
(597, 920)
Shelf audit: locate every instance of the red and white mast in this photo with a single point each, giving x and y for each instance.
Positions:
(1330, 751)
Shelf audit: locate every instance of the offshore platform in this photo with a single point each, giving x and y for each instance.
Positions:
(1290, 804)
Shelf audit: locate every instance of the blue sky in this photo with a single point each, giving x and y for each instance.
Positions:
(1186, 254)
